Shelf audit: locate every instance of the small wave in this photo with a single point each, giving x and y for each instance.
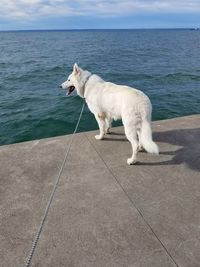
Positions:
(15, 112)
(128, 77)
(179, 76)
(55, 69)
(25, 76)
(30, 61)
(36, 74)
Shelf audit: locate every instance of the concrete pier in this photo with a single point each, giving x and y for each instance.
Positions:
(104, 213)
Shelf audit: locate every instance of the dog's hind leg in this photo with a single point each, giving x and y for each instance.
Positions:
(108, 125)
(102, 125)
(140, 148)
(131, 134)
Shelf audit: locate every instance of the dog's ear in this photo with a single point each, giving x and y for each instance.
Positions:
(76, 69)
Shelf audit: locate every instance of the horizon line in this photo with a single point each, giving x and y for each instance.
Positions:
(101, 29)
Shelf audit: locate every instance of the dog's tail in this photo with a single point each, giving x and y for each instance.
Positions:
(146, 137)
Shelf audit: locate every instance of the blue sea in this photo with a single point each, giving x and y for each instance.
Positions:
(165, 64)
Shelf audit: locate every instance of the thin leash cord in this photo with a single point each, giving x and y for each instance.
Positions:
(37, 236)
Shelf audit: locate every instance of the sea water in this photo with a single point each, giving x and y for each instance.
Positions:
(164, 64)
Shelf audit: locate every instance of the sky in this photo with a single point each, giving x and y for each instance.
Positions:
(98, 14)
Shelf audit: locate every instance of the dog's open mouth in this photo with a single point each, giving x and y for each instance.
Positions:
(70, 89)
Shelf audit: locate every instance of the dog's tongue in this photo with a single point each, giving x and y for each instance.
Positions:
(69, 92)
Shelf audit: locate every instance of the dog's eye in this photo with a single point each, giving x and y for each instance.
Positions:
(68, 80)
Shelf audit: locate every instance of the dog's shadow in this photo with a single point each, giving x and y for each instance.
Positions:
(187, 139)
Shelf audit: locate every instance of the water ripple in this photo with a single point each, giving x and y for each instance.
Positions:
(164, 64)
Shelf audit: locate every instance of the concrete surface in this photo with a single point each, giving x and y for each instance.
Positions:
(104, 213)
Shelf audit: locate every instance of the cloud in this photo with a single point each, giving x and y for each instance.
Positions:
(34, 9)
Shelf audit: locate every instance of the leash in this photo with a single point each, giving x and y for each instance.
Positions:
(37, 236)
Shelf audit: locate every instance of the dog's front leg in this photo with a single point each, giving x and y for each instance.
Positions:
(101, 122)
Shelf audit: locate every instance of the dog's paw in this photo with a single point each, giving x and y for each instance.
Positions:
(98, 137)
(131, 161)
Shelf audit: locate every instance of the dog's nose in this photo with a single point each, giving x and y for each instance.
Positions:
(60, 86)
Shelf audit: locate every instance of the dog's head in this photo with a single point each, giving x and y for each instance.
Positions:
(76, 80)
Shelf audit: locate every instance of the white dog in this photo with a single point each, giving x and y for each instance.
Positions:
(109, 101)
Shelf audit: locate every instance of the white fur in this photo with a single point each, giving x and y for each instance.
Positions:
(109, 101)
